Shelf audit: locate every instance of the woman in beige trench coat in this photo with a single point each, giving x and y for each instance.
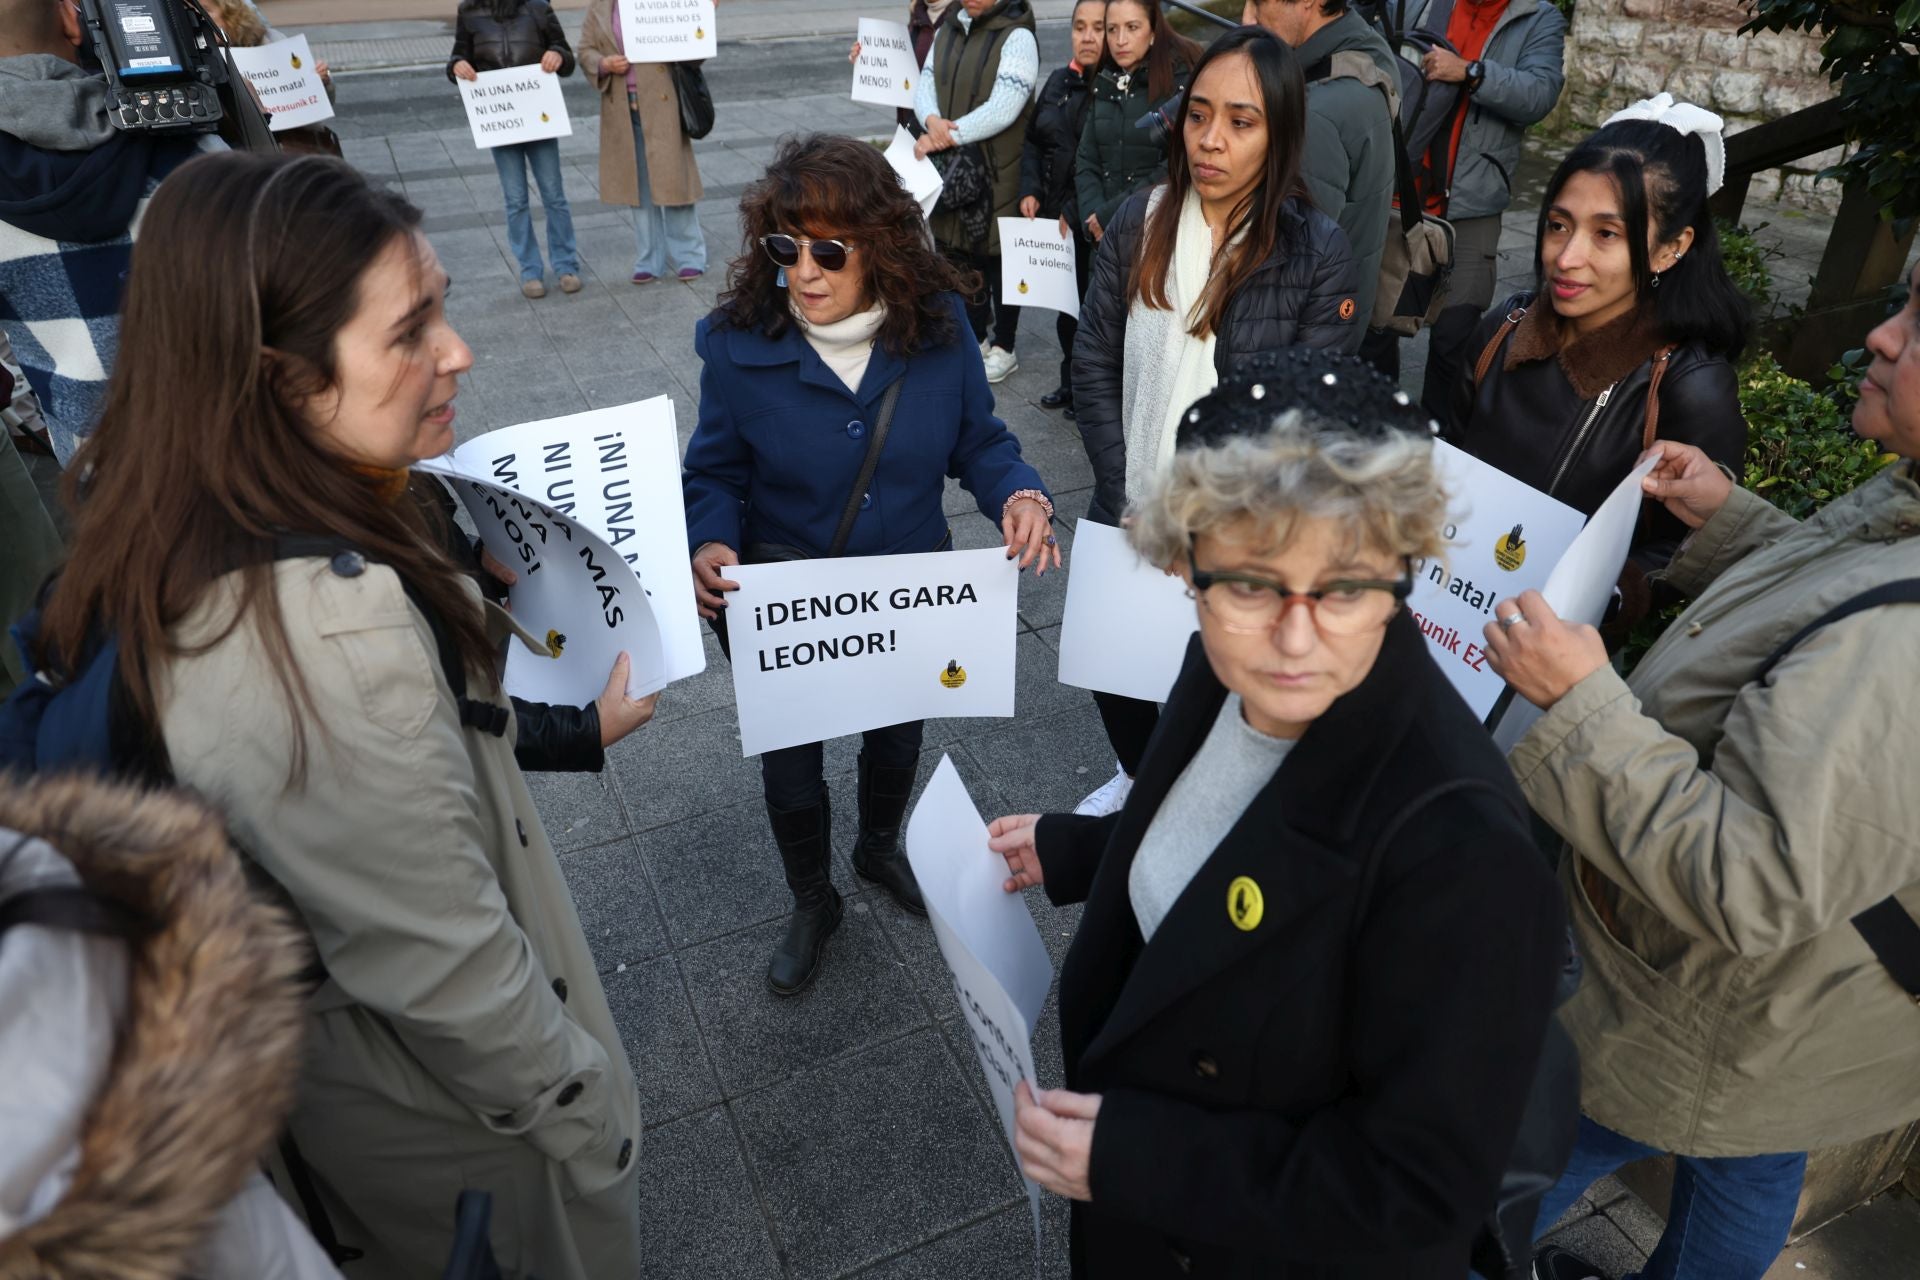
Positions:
(645, 158)
(457, 1035)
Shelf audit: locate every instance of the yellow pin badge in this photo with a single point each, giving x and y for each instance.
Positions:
(954, 675)
(1510, 552)
(1245, 904)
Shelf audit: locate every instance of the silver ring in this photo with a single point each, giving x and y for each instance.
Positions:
(1507, 622)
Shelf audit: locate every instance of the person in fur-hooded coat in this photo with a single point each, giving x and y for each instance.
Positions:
(147, 1073)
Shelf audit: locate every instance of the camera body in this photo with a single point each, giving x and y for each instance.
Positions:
(164, 62)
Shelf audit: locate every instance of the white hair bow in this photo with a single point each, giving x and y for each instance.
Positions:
(1687, 118)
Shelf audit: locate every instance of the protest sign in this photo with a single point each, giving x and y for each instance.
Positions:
(987, 937)
(917, 173)
(617, 471)
(283, 74)
(572, 590)
(514, 104)
(1505, 539)
(824, 648)
(1036, 266)
(1581, 584)
(667, 30)
(885, 70)
(1127, 624)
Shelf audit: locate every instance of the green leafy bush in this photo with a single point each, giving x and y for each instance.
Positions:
(1801, 449)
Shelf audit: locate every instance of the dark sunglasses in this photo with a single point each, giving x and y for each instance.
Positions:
(828, 255)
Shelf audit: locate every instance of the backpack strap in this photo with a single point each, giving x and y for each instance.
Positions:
(1349, 64)
(475, 713)
(1890, 932)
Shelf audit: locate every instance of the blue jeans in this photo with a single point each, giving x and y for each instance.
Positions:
(662, 232)
(1729, 1216)
(543, 157)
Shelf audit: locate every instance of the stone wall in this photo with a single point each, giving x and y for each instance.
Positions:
(1622, 50)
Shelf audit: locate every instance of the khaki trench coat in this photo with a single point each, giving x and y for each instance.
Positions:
(461, 1038)
(1736, 828)
(672, 176)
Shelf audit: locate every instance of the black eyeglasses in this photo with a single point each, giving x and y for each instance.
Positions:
(828, 255)
(1255, 606)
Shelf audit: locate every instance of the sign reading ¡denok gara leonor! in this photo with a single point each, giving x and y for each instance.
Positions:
(824, 648)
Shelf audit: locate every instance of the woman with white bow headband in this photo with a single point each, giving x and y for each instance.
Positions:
(1629, 334)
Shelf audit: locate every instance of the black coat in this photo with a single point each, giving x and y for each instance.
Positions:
(490, 43)
(1301, 296)
(1542, 421)
(1053, 138)
(1115, 157)
(1336, 1091)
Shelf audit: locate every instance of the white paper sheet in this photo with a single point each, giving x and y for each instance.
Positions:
(1127, 624)
(824, 648)
(885, 71)
(1036, 265)
(514, 104)
(284, 75)
(1581, 584)
(999, 965)
(918, 175)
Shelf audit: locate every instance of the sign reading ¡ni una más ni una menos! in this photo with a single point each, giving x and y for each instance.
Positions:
(824, 648)
(885, 70)
(514, 104)
(667, 30)
(1000, 967)
(616, 471)
(1036, 265)
(1505, 539)
(572, 592)
(284, 76)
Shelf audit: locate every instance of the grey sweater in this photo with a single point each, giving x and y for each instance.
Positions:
(1208, 797)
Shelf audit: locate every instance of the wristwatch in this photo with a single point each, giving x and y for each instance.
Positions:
(1476, 72)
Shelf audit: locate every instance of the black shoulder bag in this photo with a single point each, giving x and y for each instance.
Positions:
(696, 100)
(1893, 935)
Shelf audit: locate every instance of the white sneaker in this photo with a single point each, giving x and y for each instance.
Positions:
(1110, 798)
(986, 345)
(1000, 364)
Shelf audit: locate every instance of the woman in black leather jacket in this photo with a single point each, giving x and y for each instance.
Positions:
(1631, 332)
(490, 35)
(1227, 259)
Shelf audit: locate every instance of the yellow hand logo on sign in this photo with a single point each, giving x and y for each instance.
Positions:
(954, 676)
(556, 642)
(1510, 552)
(1023, 286)
(296, 60)
(544, 119)
(699, 33)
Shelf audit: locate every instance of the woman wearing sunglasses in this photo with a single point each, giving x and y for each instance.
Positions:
(1313, 972)
(841, 328)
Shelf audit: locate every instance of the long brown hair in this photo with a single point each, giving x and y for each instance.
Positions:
(1170, 54)
(246, 269)
(1283, 93)
(827, 185)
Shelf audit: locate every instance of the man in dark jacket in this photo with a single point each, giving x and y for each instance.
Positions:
(72, 188)
(1349, 159)
(1046, 169)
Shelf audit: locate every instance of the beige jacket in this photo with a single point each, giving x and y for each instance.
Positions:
(672, 176)
(1736, 828)
(461, 1038)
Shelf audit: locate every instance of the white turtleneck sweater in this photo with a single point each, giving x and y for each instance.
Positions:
(845, 345)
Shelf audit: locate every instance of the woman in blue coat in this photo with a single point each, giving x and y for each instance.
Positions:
(837, 298)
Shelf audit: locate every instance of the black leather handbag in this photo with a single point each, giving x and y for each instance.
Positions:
(696, 101)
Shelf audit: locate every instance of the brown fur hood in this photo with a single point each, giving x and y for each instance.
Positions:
(207, 1060)
(1591, 363)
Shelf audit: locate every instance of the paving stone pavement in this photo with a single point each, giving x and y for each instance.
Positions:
(846, 1131)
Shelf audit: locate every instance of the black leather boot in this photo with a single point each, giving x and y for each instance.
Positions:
(876, 855)
(805, 837)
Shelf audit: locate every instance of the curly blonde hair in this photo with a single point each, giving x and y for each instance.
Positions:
(1384, 486)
